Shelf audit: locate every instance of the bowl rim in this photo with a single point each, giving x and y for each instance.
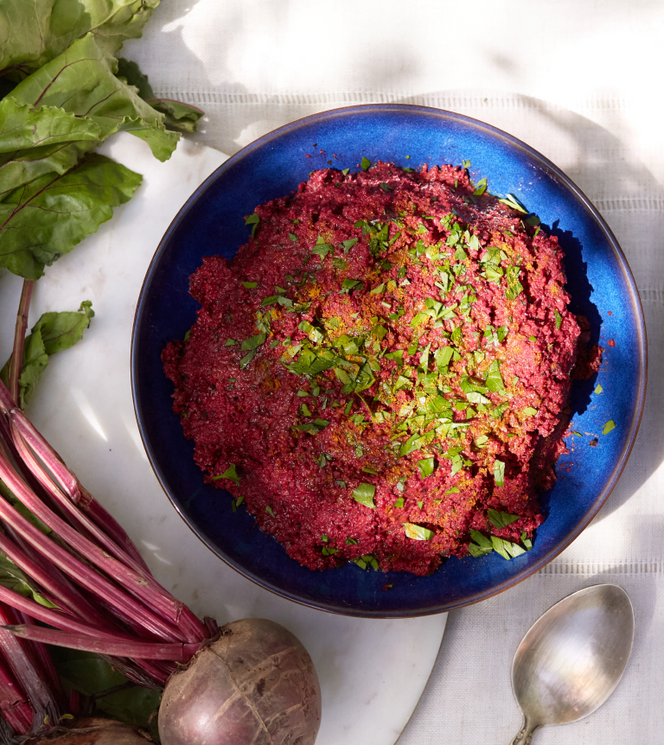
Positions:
(633, 293)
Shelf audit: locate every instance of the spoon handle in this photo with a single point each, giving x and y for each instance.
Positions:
(525, 734)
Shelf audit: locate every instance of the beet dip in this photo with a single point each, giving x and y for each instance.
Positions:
(381, 372)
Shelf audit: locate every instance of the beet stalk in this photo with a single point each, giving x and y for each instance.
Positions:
(89, 589)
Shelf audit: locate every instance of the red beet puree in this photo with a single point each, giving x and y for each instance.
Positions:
(380, 373)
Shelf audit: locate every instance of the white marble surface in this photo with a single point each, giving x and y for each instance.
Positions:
(372, 672)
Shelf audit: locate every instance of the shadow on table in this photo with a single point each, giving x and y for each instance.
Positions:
(165, 32)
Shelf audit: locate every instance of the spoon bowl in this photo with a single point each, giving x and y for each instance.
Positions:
(572, 658)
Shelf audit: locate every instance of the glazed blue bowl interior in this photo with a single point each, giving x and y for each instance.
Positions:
(599, 279)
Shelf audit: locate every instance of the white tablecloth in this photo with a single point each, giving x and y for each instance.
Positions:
(579, 80)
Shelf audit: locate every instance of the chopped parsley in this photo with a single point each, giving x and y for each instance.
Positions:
(608, 427)
(364, 494)
(229, 473)
(252, 220)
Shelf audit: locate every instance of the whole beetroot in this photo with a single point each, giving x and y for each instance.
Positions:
(254, 685)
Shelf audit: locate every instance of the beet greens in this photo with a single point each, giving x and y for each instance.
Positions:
(70, 577)
(64, 561)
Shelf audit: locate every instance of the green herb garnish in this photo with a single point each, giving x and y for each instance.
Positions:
(608, 427)
(499, 472)
(418, 532)
(252, 220)
(364, 494)
(253, 342)
(426, 466)
(500, 519)
(229, 473)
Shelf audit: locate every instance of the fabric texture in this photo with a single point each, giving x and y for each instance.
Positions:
(571, 78)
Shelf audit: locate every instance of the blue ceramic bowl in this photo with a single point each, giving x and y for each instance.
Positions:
(599, 280)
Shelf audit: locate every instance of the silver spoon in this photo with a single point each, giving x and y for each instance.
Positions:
(572, 658)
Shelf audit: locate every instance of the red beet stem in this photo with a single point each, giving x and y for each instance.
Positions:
(119, 648)
(13, 705)
(85, 563)
(117, 563)
(134, 575)
(69, 564)
(18, 659)
(41, 661)
(56, 588)
(42, 461)
(16, 362)
(56, 618)
(61, 484)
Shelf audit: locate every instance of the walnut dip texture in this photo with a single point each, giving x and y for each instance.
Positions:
(380, 374)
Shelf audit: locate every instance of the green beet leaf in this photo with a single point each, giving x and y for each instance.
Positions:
(53, 332)
(33, 32)
(178, 116)
(131, 74)
(38, 140)
(17, 580)
(82, 81)
(108, 689)
(25, 126)
(35, 360)
(126, 21)
(59, 331)
(22, 166)
(49, 216)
